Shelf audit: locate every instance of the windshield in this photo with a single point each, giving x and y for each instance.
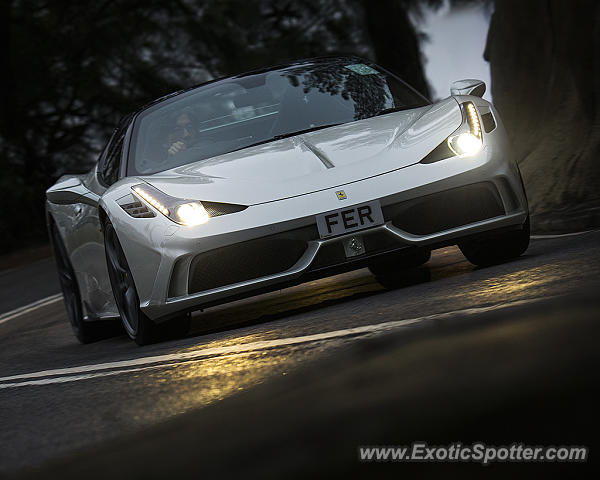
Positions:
(238, 112)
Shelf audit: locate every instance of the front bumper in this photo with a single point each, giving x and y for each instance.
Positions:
(175, 254)
(319, 260)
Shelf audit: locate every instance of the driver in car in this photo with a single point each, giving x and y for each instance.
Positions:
(182, 135)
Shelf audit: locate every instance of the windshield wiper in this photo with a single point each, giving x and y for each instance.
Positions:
(392, 110)
(286, 135)
(306, 130)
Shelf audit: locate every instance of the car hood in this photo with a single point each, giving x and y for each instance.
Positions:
(314, 161)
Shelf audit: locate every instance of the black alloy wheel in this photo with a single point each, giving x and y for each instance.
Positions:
(137, 325)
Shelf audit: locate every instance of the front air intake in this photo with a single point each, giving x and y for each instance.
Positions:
(137, 209)
(445, 210)
(250, 259)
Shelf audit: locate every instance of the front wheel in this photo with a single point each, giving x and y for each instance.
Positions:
(392, 264)
(496, 249)
(137, 325)
(402, 269)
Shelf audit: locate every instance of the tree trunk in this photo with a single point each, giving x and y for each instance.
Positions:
(545, 65)
(395, 41)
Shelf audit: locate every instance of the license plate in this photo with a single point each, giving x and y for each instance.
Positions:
(349, 219)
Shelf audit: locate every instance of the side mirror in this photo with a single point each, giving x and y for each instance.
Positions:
(70, 190)
(468, 87)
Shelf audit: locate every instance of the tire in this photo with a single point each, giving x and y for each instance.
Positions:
(401, 261)
(497, 249)
(402, 270)
(86, 332)
(137, 325)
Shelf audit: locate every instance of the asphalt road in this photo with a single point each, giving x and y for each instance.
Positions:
(61, 402)
(23, 285)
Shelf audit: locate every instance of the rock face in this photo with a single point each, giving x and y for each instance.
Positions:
(545, 66)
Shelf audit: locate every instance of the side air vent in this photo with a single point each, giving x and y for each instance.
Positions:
(214, 209)
(137, 209)
(488, 122)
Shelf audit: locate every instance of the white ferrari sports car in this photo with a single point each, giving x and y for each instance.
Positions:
(264, 180)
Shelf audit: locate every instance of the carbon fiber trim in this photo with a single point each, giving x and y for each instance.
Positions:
(441, 152)
(215, 209)
(488, 122)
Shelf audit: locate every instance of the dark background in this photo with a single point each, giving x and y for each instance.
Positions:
(70, 70)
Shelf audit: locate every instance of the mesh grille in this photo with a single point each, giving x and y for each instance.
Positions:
(380, 242)
(445, 210)
(138, 210)
(249, 260)
(330, 254)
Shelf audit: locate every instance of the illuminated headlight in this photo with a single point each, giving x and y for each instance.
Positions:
(465, 144)
(151, 200)
(191, 214)
(467, 140)
(178, 210)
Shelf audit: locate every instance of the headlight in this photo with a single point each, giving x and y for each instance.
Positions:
(181, 211)
(144, 193)
(191, 214)
(467, 141)
(465, 144)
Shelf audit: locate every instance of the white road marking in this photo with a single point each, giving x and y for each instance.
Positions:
(17, 312)
(75, 378)
(83, 372)
(560, 235)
